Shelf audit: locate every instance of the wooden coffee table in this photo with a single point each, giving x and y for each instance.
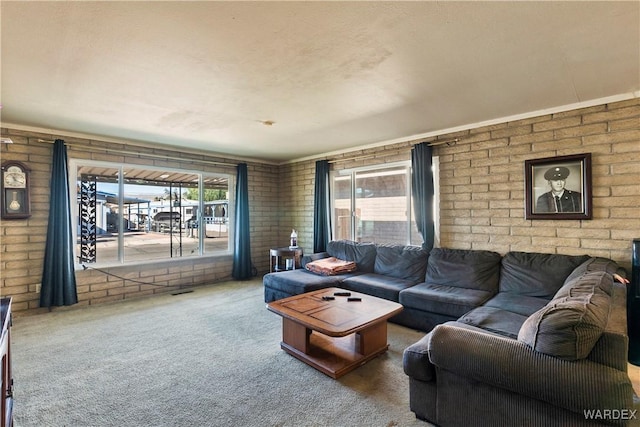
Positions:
(334, 336)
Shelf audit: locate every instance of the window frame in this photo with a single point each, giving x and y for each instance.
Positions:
(351, 173)
(75, 163)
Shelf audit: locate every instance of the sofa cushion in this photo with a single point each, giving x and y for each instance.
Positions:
(584, 284)
(594, 264)
(364, 254)
(443, 299)
(519, 304)
(402, 262)
(472, 269)
(568, 327)
(295, 282)
(590, 266)
(492, 319)
(376, 285)
(536, 274)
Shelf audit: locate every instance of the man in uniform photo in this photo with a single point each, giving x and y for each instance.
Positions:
(559, 199)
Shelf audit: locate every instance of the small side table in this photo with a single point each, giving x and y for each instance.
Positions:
(282, 259)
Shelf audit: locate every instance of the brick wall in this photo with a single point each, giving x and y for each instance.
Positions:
(22, 241)
(482, 183)
(297, 182)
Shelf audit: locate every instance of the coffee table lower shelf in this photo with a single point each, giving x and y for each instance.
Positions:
(334, 356)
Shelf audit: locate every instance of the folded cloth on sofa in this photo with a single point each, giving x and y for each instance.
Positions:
(331, 266)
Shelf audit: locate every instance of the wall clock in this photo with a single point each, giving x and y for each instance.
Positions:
(15, 190)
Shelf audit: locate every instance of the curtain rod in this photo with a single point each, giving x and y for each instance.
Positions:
(449, 143)
(133, 153)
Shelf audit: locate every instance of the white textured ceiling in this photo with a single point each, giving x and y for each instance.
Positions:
(331, 75)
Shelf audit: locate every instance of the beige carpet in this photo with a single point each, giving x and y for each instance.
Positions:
(206, 358)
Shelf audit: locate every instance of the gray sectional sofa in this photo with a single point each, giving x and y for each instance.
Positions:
(382, 270)
(524, 339)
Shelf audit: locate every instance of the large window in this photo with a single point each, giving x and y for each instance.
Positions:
(374, 205)
(132, 214)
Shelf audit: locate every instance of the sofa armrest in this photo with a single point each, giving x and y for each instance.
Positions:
(415, 360)
(512, 365)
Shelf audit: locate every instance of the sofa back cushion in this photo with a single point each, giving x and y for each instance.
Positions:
(590, 266)
(363, 254)
(536, 274)
(584, 283)
(471, 269)
(402, 262)
(568, 327)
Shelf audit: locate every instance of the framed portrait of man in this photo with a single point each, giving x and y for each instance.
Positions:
(558, 187)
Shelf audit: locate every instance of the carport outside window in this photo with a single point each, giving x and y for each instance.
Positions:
(129, 214)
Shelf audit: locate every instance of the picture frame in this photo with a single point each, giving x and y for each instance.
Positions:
(14, 191)
(568, 177)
